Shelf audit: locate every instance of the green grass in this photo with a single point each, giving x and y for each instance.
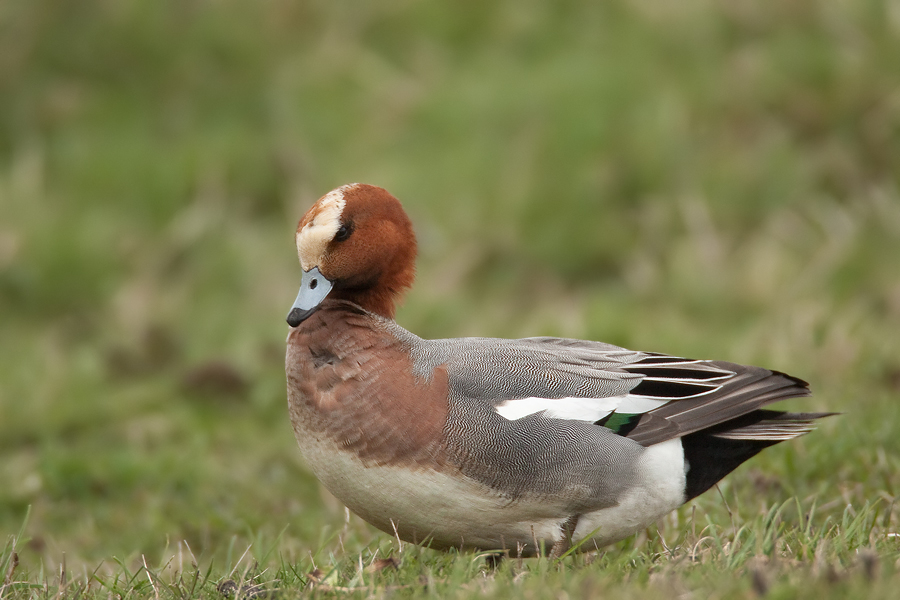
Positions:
(707, 179)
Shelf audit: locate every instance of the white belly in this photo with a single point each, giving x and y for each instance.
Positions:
(449, 509)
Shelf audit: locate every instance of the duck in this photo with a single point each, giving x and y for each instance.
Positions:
(535, 446)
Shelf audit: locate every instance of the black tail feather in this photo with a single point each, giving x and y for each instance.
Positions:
(713, 453)
(709, 459)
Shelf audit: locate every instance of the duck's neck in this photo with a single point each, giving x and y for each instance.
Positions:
(382, 290)
(376, 300)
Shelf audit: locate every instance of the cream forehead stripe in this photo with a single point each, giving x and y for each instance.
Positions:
(313, 238)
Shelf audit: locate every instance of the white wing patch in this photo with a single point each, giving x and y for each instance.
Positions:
(665, 379)
(634, 404)
(576, 409)
(579, 409)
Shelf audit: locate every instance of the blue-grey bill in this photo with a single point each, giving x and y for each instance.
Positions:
(313, 289)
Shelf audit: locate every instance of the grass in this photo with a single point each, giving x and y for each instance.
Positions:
(706, 180)
(766, 556)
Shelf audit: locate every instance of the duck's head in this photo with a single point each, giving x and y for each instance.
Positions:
(356, 243)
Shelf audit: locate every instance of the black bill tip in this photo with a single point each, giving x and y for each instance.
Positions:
(298, 315)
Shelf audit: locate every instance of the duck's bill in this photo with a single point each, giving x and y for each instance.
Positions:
(313, 289)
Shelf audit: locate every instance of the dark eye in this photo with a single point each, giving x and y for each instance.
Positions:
(343, 232)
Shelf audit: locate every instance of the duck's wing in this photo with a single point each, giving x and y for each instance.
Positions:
(646, 397)
(731, 410)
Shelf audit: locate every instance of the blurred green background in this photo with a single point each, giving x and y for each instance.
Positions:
(708, 179)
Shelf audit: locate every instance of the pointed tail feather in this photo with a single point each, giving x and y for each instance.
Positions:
(712, 454)
(772, 426)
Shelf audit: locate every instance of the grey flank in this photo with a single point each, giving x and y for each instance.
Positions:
(581, 465)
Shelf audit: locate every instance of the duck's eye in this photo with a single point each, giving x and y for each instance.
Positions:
(343, 232)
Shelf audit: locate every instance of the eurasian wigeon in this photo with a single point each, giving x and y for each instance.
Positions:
(479, 443)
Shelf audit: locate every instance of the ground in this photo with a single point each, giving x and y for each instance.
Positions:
(708, 180)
